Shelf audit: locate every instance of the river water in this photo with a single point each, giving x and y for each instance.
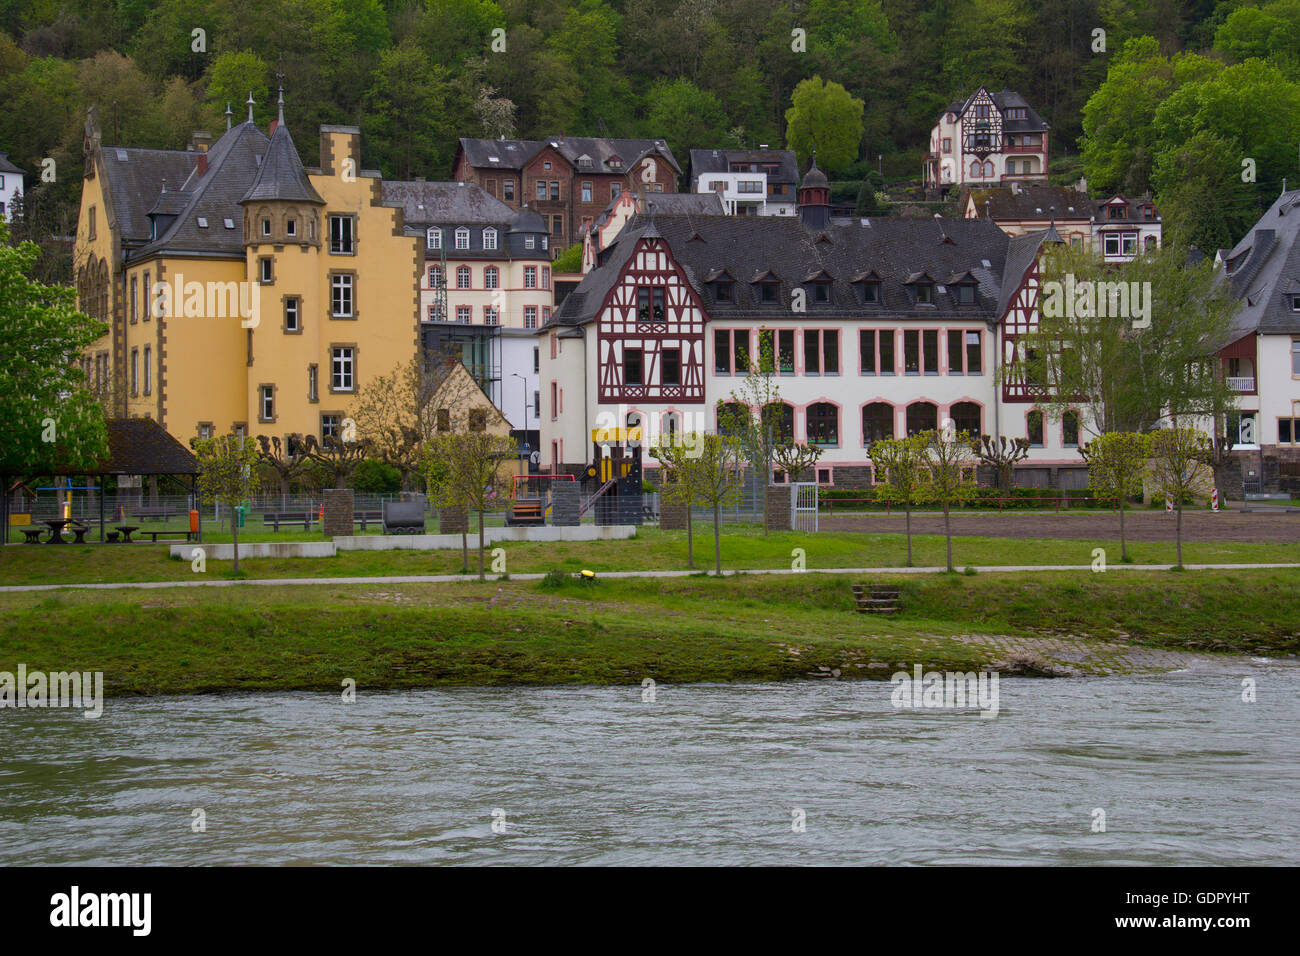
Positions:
(1185, 771)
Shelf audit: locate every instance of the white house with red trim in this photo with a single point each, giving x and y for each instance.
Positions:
(879, 328)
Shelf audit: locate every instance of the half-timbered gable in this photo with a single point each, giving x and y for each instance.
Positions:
(1020, 319)
(651, 330)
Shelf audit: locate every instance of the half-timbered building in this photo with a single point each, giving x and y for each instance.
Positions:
(878, 328)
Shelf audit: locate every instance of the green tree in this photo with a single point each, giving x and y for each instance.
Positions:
(715, 478)
(469, 470)
(1147, 355)
(231, 79)
(570, 260)
(823, 117)
(1116, 463)
(754, 415)
(51, 418)
(948, 472)
(1180, 459)
(406, 96)
(898, 465)
(228, 473)
(685, 115)
(676, 460)
(377, 478)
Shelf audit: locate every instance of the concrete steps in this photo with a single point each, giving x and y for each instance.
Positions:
(875, 600)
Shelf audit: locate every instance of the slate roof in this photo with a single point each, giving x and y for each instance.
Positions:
(1032, 201)
(750, 247)
(1135, 211)
(233, 165)
(140, 446)
(7, 167)
(683, 204)
(281, 175)
(1263, 270)
(134, 179)
(516, 153)
(720, 160)
(446, 203)
(1004, 100)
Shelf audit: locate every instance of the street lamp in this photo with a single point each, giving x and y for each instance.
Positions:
(524, 425)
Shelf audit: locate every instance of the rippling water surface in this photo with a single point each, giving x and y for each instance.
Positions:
(1186, 772)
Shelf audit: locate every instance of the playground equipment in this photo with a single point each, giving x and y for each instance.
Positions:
(616, 471)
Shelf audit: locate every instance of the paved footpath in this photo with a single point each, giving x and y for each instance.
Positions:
(462, 578)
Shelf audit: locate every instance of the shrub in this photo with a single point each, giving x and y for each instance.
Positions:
(554, 579)
(374, 477)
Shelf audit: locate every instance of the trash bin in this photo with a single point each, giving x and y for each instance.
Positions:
(240, 513)
(194, 521)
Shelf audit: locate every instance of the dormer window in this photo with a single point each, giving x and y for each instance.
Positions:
(615, 163)
(924, 293)
(963, 293)
(462, 238)
(433, 238)
(1295, 303)
(203, 222)
(722, 290)
(489, 238)
(1117, 211)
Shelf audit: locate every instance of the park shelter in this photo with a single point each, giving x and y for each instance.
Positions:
(136, 446)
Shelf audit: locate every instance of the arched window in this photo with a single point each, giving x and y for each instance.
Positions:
(729, 414)
(922, 416)
(1150, 242)
(780, 415)
(823, 420)
(489, 238)
(988, 170)
(491, 277)
(975, 169)
(877, 422)
(966, 418)
(462, 277)
(435, 277)
(672, 426)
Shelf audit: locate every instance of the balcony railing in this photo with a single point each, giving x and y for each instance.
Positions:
(1241, 383)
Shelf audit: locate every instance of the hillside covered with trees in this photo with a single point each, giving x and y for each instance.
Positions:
(1202, 86)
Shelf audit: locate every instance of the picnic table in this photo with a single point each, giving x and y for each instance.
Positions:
(56, 526)
(126, 530)
(33, 535)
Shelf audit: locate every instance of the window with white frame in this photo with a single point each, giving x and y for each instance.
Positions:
(292, 310)
(489, 238)
(268, 403)
(491, 277)
(342, 239)
(342, 288)
(433, 237)
(343, 369)
(462, 238)
(530, 277)
(491, 315)
(462, 277)
(530, 316)
(463, 313)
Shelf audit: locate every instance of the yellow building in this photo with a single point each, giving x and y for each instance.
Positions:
(243, 291)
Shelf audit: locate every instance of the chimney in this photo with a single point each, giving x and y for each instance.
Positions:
(200, 140)
(202, 166)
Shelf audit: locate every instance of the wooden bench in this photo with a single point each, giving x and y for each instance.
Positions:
(526, 511)
(155, 535)
(277, 518)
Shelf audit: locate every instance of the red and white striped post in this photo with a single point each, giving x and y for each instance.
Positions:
(1214, 499)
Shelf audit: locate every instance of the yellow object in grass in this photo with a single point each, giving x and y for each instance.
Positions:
(588, 574)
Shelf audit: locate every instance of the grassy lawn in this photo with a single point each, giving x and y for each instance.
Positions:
(743, 547)
(621, 631)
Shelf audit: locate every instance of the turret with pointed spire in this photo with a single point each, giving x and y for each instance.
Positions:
(281, 193)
